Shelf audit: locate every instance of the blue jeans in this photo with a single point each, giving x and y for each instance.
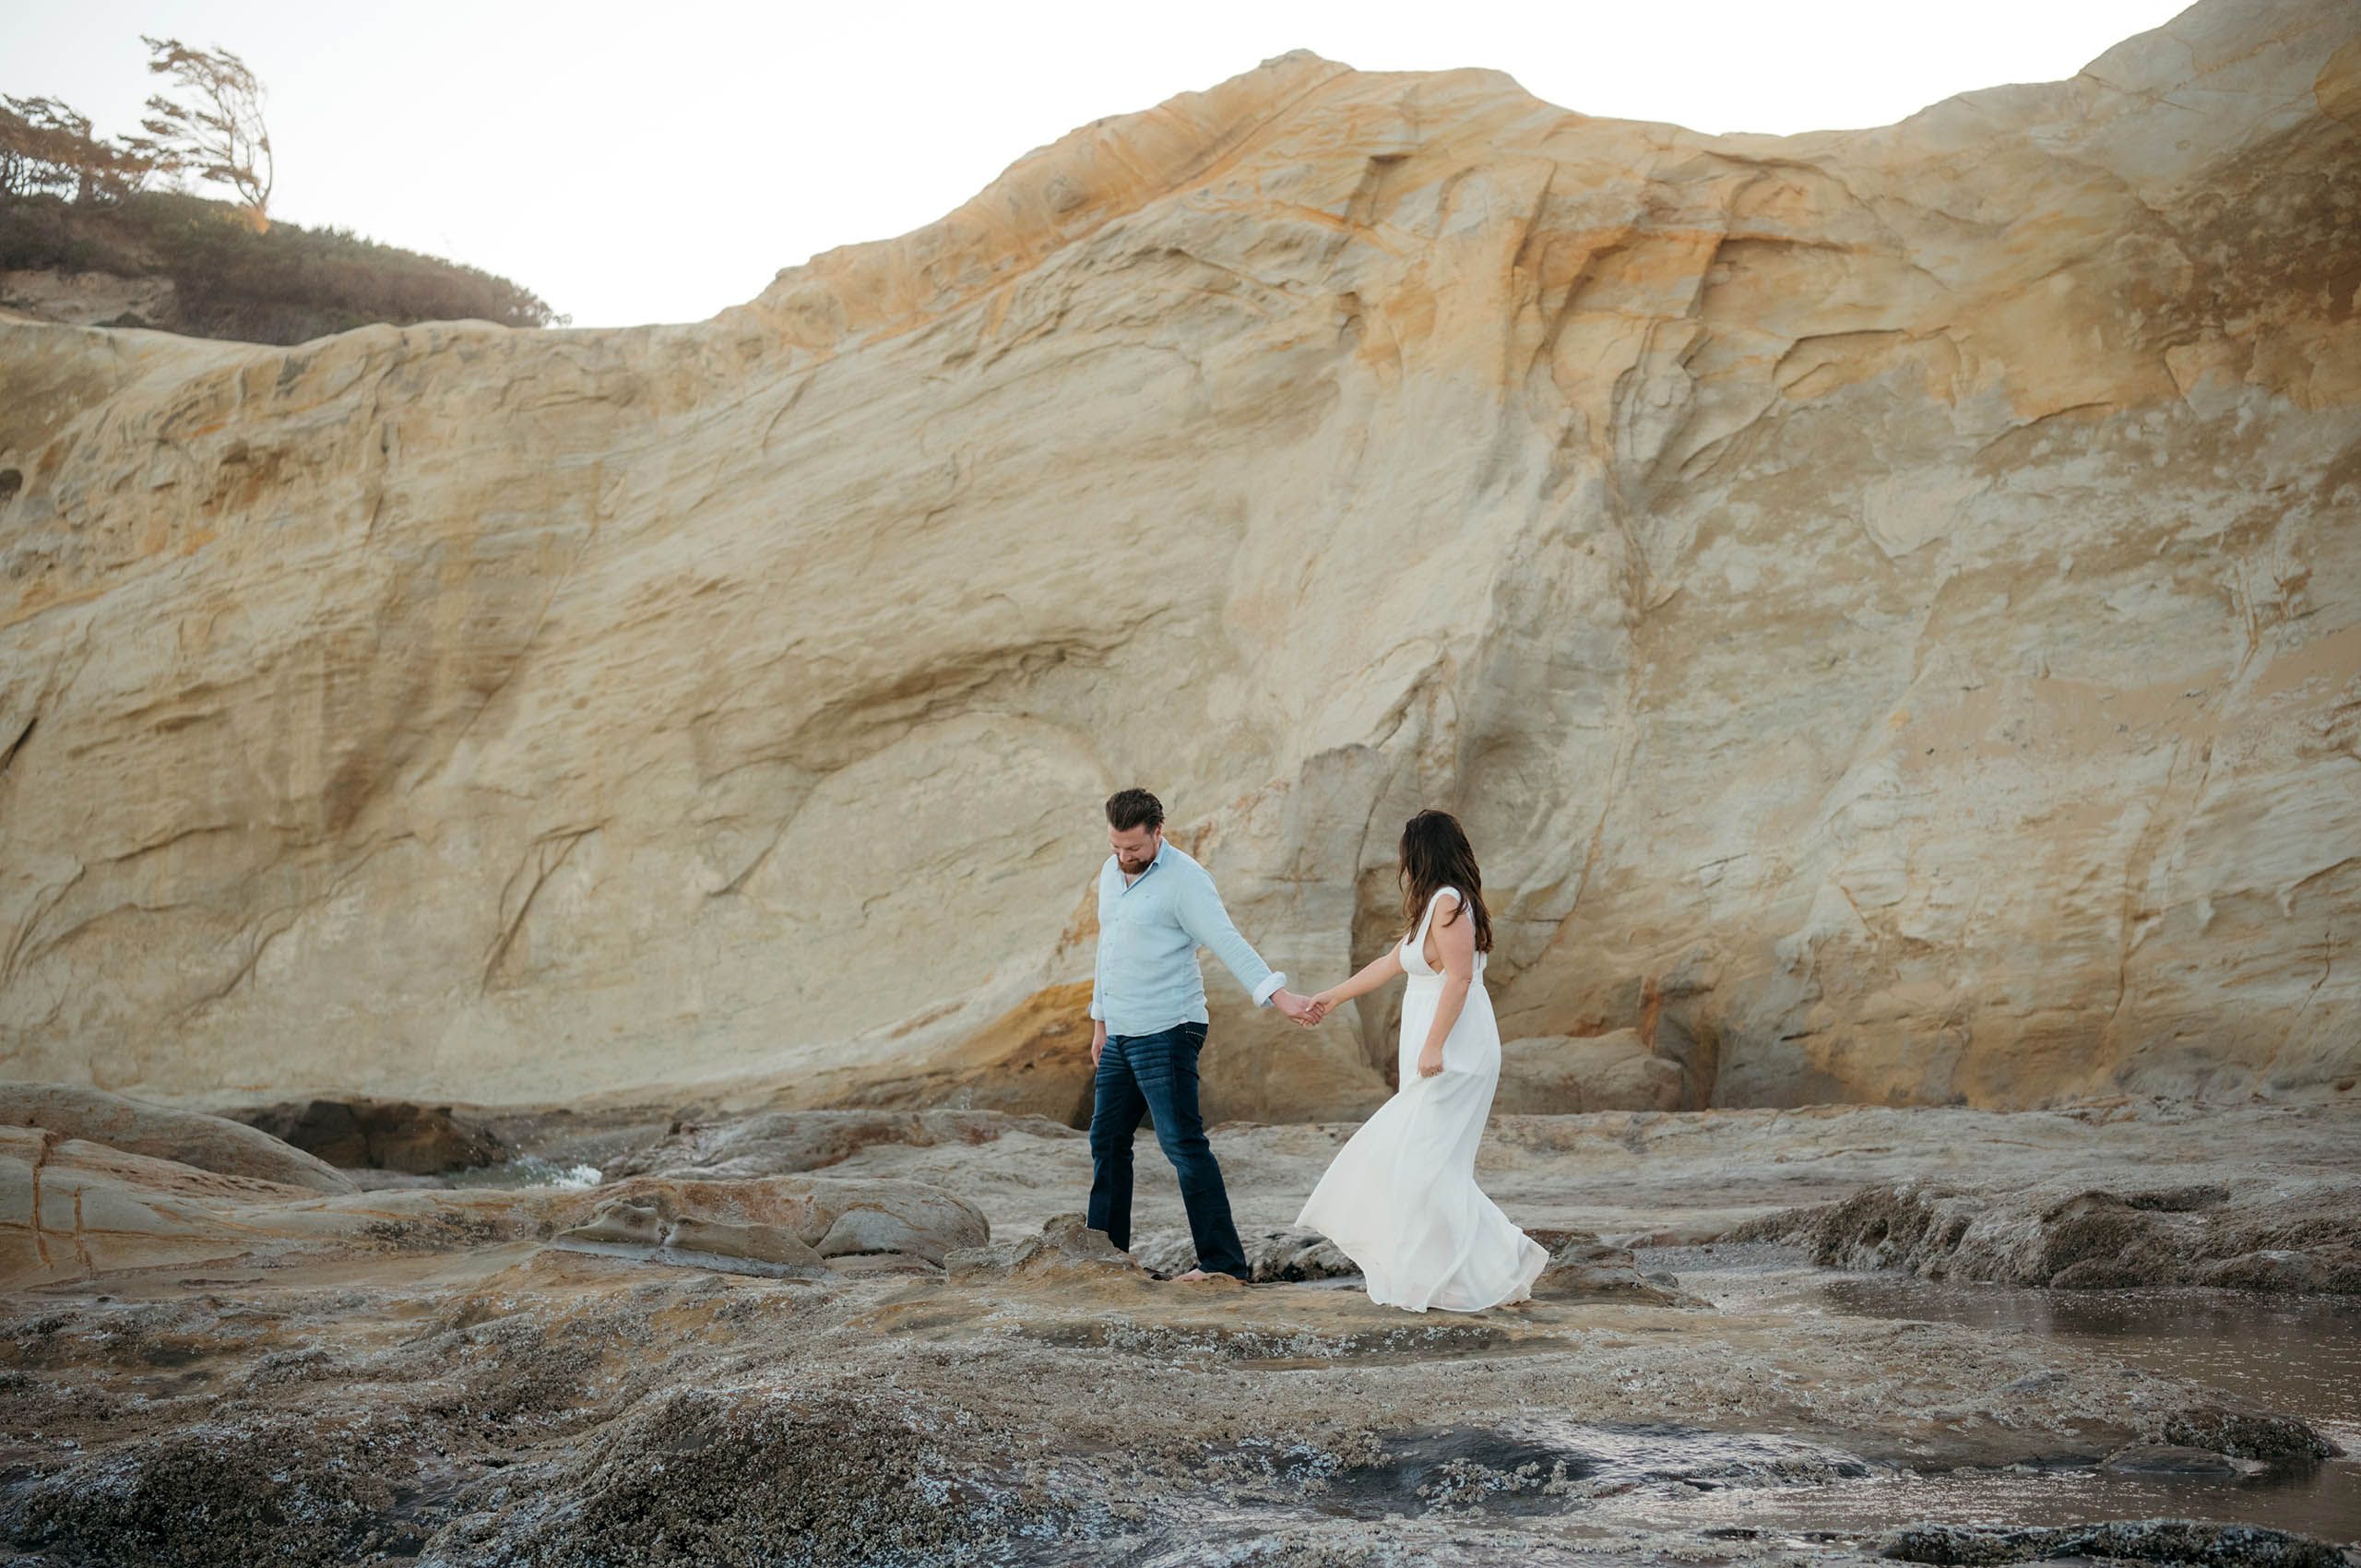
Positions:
(1158, 1073)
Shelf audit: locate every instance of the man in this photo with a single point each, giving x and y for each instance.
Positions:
(1156, 907)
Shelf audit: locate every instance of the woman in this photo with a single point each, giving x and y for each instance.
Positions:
(1400, 1199)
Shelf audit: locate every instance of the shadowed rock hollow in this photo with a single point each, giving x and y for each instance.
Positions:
(1883, 603)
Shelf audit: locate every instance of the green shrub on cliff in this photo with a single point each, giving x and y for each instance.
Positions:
(285, 285)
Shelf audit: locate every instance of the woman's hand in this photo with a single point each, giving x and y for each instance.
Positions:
(1430, 1060)
(1321, 1005)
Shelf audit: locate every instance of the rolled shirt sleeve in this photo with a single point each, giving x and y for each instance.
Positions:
(1202, 917)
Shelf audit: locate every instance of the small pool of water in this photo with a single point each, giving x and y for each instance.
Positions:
(2320, 1501)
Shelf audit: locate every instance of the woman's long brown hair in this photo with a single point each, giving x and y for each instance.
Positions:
(1436, 854)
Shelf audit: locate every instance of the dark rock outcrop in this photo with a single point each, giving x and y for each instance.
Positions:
(1066, 1249)
(2245, 1434)
(2177, 1541)
(380, 1135)
(803, 1474)
(1272, 1255)
(280, 1491)
(2293, 1235)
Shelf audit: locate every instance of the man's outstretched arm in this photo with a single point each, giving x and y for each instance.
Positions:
(1202, 917)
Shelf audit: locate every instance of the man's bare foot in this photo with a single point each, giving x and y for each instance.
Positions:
(1192, 1273)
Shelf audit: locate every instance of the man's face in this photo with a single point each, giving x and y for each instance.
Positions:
(1135, 847)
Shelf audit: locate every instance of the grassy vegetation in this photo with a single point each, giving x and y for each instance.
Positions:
(285, 285)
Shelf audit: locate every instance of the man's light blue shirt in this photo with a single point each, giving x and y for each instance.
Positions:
(1150, 932)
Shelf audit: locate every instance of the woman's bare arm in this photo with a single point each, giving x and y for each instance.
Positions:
(1374, 973)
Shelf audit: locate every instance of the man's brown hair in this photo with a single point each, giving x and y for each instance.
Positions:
(1127, 809)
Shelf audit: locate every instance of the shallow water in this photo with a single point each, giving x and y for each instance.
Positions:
(1465, 1495)
(2321, 1501)
(2298, 1355)
(1687, 1481)
(1549, 1490)
(2295, 1355)
(2289, 1355)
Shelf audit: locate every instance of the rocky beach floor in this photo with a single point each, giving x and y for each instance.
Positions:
(2122, 1330)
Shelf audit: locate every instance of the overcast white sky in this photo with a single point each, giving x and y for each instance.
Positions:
(635, 162)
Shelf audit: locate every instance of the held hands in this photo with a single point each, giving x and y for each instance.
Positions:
(1294, 1007)
(1315, 1008)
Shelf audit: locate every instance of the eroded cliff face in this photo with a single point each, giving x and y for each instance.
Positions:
(1883, 603)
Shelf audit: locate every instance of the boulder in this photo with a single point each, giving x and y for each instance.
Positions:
(864, 1229)
(1581, 1267)
(1066, 1249)
(185, 1137)
(622, 1222)
(779, 1226)
(641, 1228)
(2176, 1459)
(690, 1236)
(1272, 1255)
(2247, 1434)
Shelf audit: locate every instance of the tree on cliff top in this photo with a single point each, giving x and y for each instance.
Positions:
(222, 138)
(46, 145)
(75, 204)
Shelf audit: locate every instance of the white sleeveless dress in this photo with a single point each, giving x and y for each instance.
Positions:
(1400, 1199)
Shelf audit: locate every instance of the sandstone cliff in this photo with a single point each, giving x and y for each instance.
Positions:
(1884, 604)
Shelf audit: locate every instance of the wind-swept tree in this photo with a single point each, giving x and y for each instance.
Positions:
(36, 142)
(46, 146)
(221, 134)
